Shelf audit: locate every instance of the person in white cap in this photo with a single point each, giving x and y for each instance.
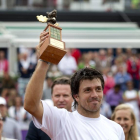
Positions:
(10, 126)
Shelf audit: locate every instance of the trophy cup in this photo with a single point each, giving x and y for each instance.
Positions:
(53, 48)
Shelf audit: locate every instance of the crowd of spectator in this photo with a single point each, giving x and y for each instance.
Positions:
(120, 69)
(66, 4)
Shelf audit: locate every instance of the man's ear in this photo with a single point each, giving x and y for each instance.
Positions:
(76, 97)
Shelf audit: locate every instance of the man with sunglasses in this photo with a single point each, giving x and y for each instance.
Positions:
(86, 122)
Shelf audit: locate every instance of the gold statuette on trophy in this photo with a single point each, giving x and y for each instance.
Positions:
(53, 48)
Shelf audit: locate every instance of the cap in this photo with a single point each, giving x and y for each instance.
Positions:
(2, 101)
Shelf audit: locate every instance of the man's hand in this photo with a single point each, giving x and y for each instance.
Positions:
(43, 37)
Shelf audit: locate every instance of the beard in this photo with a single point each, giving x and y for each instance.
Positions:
(92, 107)
(89, 110)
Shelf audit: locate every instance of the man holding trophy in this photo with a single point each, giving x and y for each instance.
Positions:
(87, 90)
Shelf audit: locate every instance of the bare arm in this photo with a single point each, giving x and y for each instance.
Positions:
(34, 88)
(131, 99)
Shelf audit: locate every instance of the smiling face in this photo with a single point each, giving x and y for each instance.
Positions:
(62, 97)
(89, 97)
(123, 117)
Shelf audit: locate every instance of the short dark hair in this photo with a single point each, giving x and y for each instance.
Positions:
(84, 74)
(60, 81)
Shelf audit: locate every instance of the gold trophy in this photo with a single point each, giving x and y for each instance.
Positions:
(53, 48)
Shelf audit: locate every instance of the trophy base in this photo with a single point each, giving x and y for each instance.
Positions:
(51, 53)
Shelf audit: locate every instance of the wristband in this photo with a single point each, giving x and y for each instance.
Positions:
(44, 61)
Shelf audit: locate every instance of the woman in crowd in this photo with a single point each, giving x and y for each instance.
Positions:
(124, 115)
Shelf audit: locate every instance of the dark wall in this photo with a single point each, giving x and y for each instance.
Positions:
(67, 16)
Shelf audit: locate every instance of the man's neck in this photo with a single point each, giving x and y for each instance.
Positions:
(89, 114)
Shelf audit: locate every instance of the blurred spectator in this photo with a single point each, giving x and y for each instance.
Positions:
(86, 61)
(1, 129)
(76, 54)
(135, 4)
(131, 97)
(122, 77)
(10, 126)
(66, 4)
(110, 55)
(54, 71)
(109, 80)
(7, 82)
(128, 52)
(47, 90)
(106, 110)
(119, 51)
(25, 70)
(18, 113)
(12, 95)
(102, 61)
(68, 64)
(5, 93)
(133, 68)
(114, 97)
(9, 95)
(4, 65)
(117, 62)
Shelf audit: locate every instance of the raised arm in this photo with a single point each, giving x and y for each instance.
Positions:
(32, 102)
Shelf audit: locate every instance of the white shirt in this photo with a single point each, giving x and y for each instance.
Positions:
(129, 94)
(60, 124)
(67, 65)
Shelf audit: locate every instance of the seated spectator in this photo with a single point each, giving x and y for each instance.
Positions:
(109, 80)
(18, 113)
(7, 82)
(102, 61)
(114, 97)
(124, 115)
(86, 61)
(1, 129)
(133, 68)
(11, 99)
(110, 55)
(25, 68)
(4, 65)
(106, 110)
(131, 96)
(122, 77)
(76, 54)
(47, 88)
(68, 64)
(10, 126)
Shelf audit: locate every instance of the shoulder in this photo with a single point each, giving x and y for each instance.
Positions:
(114, 126)
(52, 111)
(111, 123)
(12, 108)
(10, 120)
